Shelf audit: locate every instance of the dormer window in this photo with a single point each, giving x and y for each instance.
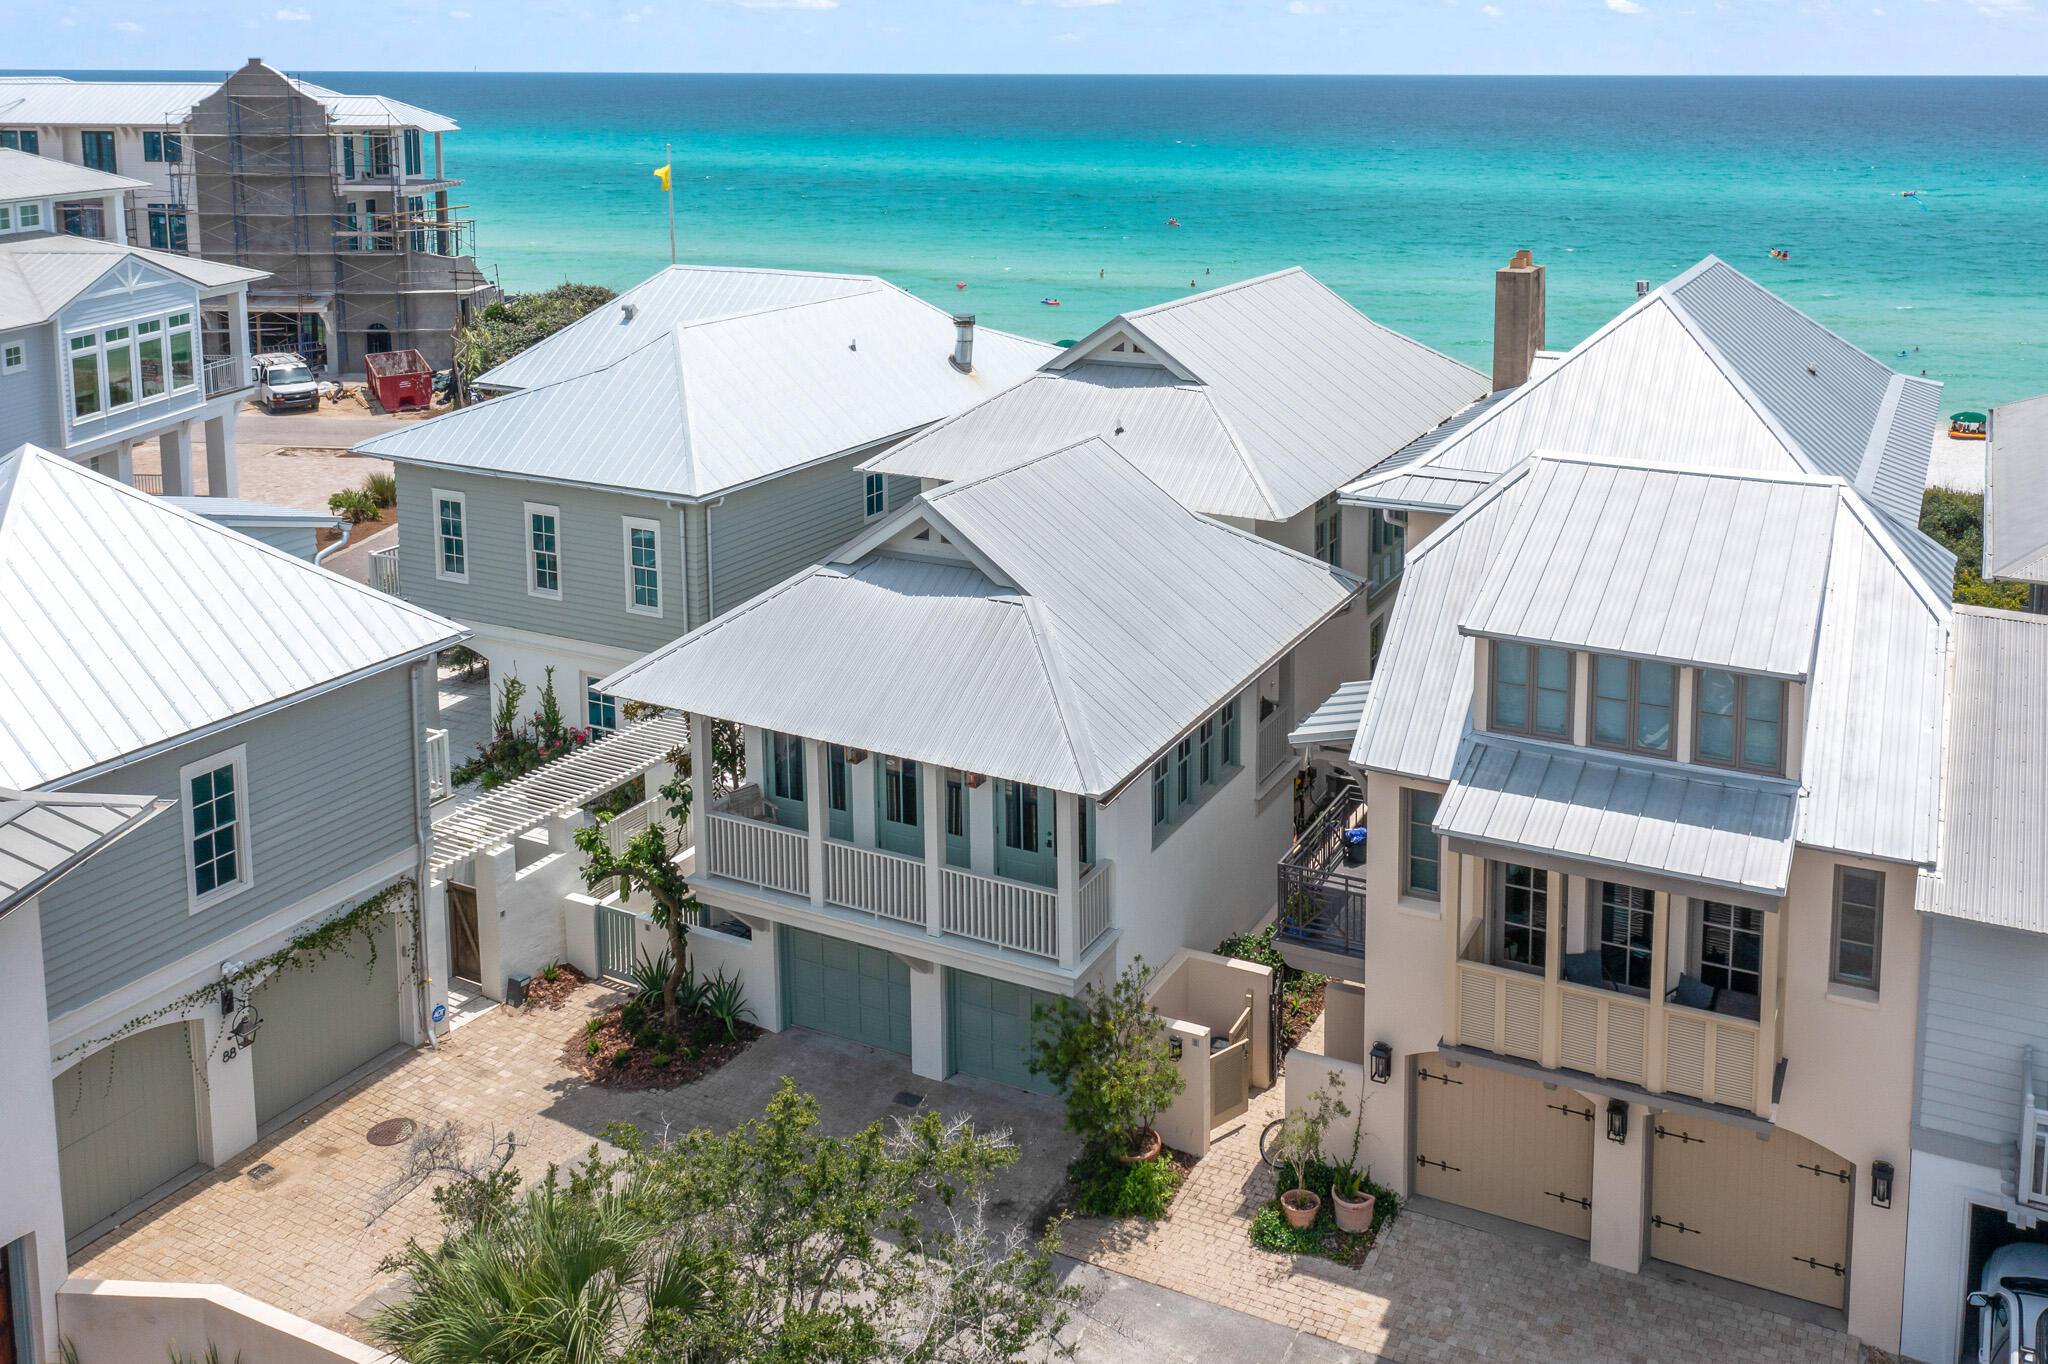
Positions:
(1532, 688)
(1739, 721)
(1631, 705)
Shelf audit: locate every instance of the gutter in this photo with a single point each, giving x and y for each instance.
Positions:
(423, 838)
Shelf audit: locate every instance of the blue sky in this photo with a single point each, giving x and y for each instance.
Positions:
(1840, 37)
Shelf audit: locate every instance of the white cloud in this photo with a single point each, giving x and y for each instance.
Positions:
(294, 16)
(788, 4)
(1624, 6)
(1490, 11)
(1305, 7)
(1066, 37)
(460, 14)
(128, 26)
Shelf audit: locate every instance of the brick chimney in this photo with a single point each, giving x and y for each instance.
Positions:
(1517, 320)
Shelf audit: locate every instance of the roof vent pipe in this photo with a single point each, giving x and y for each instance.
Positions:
(1517, 320)
(963, 342)
(629, 309)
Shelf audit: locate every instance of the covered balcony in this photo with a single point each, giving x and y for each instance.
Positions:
(1322, 878)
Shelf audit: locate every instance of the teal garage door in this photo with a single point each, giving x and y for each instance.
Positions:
(321, 1023)
(989, 1023)
(127, 1123)
(848, 990)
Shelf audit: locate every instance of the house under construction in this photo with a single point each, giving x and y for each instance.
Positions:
(346, 207)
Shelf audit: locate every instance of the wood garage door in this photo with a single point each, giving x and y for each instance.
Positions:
(1774, 1213)
(319, 1024)
(989, 1024)
(846, 989)
(127, 1122)
(1504, 1145)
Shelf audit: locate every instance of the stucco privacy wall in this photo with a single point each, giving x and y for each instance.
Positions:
(112, 1321)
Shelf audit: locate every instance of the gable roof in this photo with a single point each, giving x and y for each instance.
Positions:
(38, 277)
(24, 175)
(1875, 635)
(1064, 622)
(59, 101)
(1275, 393)
(2016, 492)
(697, 407)
(134, 624)
(42, 836)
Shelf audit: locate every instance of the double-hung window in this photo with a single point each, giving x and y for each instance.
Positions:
(1631, 705)
(119, 345)
(451, 531)
(1206, 742)
(1627, 924)
(1184, 770)
(643, 567)
(216, 827)
(1226, 733)
(1421, 853)
(1387, 550)
(1330, 531)
(96, 150)
(1523, 894)
(543, 551)
(1859, 927)
(184, 373)
(1739, 721)
(874, 491)
(1731, 955)
(149, 357)
(600, 708)
(1532, 689)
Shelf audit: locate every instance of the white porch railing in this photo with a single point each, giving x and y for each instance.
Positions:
(227, 374)
(1095, 901)
(384, 571)
(759, 854)
(149, 483)
(438, 768)
(1001, 913)
(881, 883)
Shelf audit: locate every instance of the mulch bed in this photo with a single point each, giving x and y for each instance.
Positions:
(386, 518)
(1302, 1009)
(703, 1036)
(542, 993)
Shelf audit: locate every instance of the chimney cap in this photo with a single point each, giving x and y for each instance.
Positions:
(1524, 260)
(963, 319)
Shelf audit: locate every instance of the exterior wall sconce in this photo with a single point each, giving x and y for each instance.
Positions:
(1880, 1184)
(1617, 1120)
(1173, 1047)
(1382, 1063)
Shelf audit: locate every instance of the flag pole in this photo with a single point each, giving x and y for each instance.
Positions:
(669, 153)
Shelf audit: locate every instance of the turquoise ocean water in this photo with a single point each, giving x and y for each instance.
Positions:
(1403, 194)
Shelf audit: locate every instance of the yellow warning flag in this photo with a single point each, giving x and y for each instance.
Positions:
(662, 175)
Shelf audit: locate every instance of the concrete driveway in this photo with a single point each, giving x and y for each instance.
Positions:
(290, 1221)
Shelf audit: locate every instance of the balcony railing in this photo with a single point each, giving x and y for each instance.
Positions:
(438, 769)
(384, 571)
(1322, 897)
(1713, 1057)
(226, 375)
(757, 853)
(881, 883)
(1095, 900)
(999, 912)
(149, 483)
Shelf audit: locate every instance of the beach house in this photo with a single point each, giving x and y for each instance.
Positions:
(104, 344)
(40, 198)
(282, 709)
(1001, 744)
(1652, 762)
(669, 456)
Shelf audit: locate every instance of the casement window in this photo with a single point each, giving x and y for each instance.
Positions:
(786, 767)
(600, 709)
(1631, 705)
(543, 551)
(163, 147)
(216, 802)
(1330, 531)
(414, 161)
(1184, 770)
(1731, 951)
(643, 567)
(451, 530)
(184, 372)
(96, 151)
(167, 227)
(1859, 928)
(1162, 807)
(6, 217)
(1532, 690)
(377, 156)
(1422, 871)
(1226, 733)
(13, 356)
(1374, 641)
(26, 217)
(1627, 922)
(348, 160)
(1522, 916)
(1739, 721)
(1205, 743)
(20, 140)
(874, 495)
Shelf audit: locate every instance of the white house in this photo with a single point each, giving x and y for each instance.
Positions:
(103, 345)
(996, 747)
(41, 198)
(283, 709)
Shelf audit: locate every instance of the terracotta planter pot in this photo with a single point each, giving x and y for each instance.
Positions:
(1149, 1147)
(1353, 1217)
(1301, 1207)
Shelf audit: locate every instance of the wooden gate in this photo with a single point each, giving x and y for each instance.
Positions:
(465, 957)
(618, 936)
(1230, 1081)
(1505, 1145)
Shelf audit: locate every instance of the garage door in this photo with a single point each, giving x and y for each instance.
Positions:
(990, 1022)
(1774, 1213)
(322, 1023)
(127, 1122)
(1504, 1145)
(846, 989)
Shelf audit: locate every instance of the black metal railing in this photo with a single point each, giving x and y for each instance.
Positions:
(1322, 896)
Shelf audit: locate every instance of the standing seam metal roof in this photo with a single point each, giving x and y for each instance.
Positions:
(2016, 492)
(57, 101)
(24, 175)
(42, 836)
(39, 276)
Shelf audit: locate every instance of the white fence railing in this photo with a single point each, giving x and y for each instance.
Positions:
(384, 571)
(227, 374)
(882, 883)
(759, 854)
(439, 779)
(1095, 901)
(1002, 913)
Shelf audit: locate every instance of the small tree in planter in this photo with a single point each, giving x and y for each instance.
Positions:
(652, 861)
(1300, 1141)
(1107, 1055)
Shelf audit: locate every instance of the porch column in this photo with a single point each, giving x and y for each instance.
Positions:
(114, 219)
(696, 787)
(124, 462)
(1067, 860)
(816, 796)
(238, 330)
(1556, 916)
(931, 797)
(1660, 981)
(1769, 989)
(174, 455)
(223, 471)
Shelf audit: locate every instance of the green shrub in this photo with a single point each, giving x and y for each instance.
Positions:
(648, 1036)
(1957, 521)
(662, 1058)
(622, 1055)
(1106, 1187)
(352, 503)
(590, 1028)
(632, 1016)
(1270, 1229)
(381, 489)
(1255, 946)
(590, 1045)
(1106, 1054)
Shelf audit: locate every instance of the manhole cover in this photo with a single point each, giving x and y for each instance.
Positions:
(261, 1172)
(391, 1131)
(907, 1099)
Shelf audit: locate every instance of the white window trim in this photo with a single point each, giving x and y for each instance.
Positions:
(526, 541)
(865, 514)
(440, 495)
(629, 524)
(20, 354)
(245, 866)
(590, 681)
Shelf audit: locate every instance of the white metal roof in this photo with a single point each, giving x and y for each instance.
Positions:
(236, 511)
(24, 175)
(1690, 823)
(1336, 720)
(700, 407)
(1305, 393)
(1723, 570)
(1993, 866)
(1061, 623)
(2016, 492)
(56, 101)
(1871, 758)
(44, 835)
(132, 623)
(38, 277)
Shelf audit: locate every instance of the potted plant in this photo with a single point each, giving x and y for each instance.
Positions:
(1301, 1141)
(1353, 1205)
(1107, 1055)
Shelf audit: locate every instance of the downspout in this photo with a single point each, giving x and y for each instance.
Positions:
(710, 572)
(423, 837)
(338, 544)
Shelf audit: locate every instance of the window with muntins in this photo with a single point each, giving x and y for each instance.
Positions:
(1859, 927)
(448, 515)
(1524, 915)
(1732, 947)
(601, 709)
(643, 567)
(1330, 530)
(217, 825)
(12, 357)
(1739, 721)
(1626, 926)
(1387, 550)
(1532, 689)
(1162, 808)
(874, 495)
(545, 552)
(167, 227)
(1421, 852)
(1631, 705)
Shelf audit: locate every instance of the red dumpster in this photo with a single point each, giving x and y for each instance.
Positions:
(400, 379)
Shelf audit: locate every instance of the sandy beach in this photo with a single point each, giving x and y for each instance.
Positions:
(1956, 464)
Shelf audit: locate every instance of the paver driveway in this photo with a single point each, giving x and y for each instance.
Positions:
(301, 1236)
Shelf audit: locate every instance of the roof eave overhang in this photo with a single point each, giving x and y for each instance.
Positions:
(1753, 896)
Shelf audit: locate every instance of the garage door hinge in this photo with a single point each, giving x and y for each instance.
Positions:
(1812, 1263)
(1585, 1203)
(1842, 1175)
(1682, 1137)
(1441, 1165)
(1422, 1074)
(1571, 1112)
(1675, 1226)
